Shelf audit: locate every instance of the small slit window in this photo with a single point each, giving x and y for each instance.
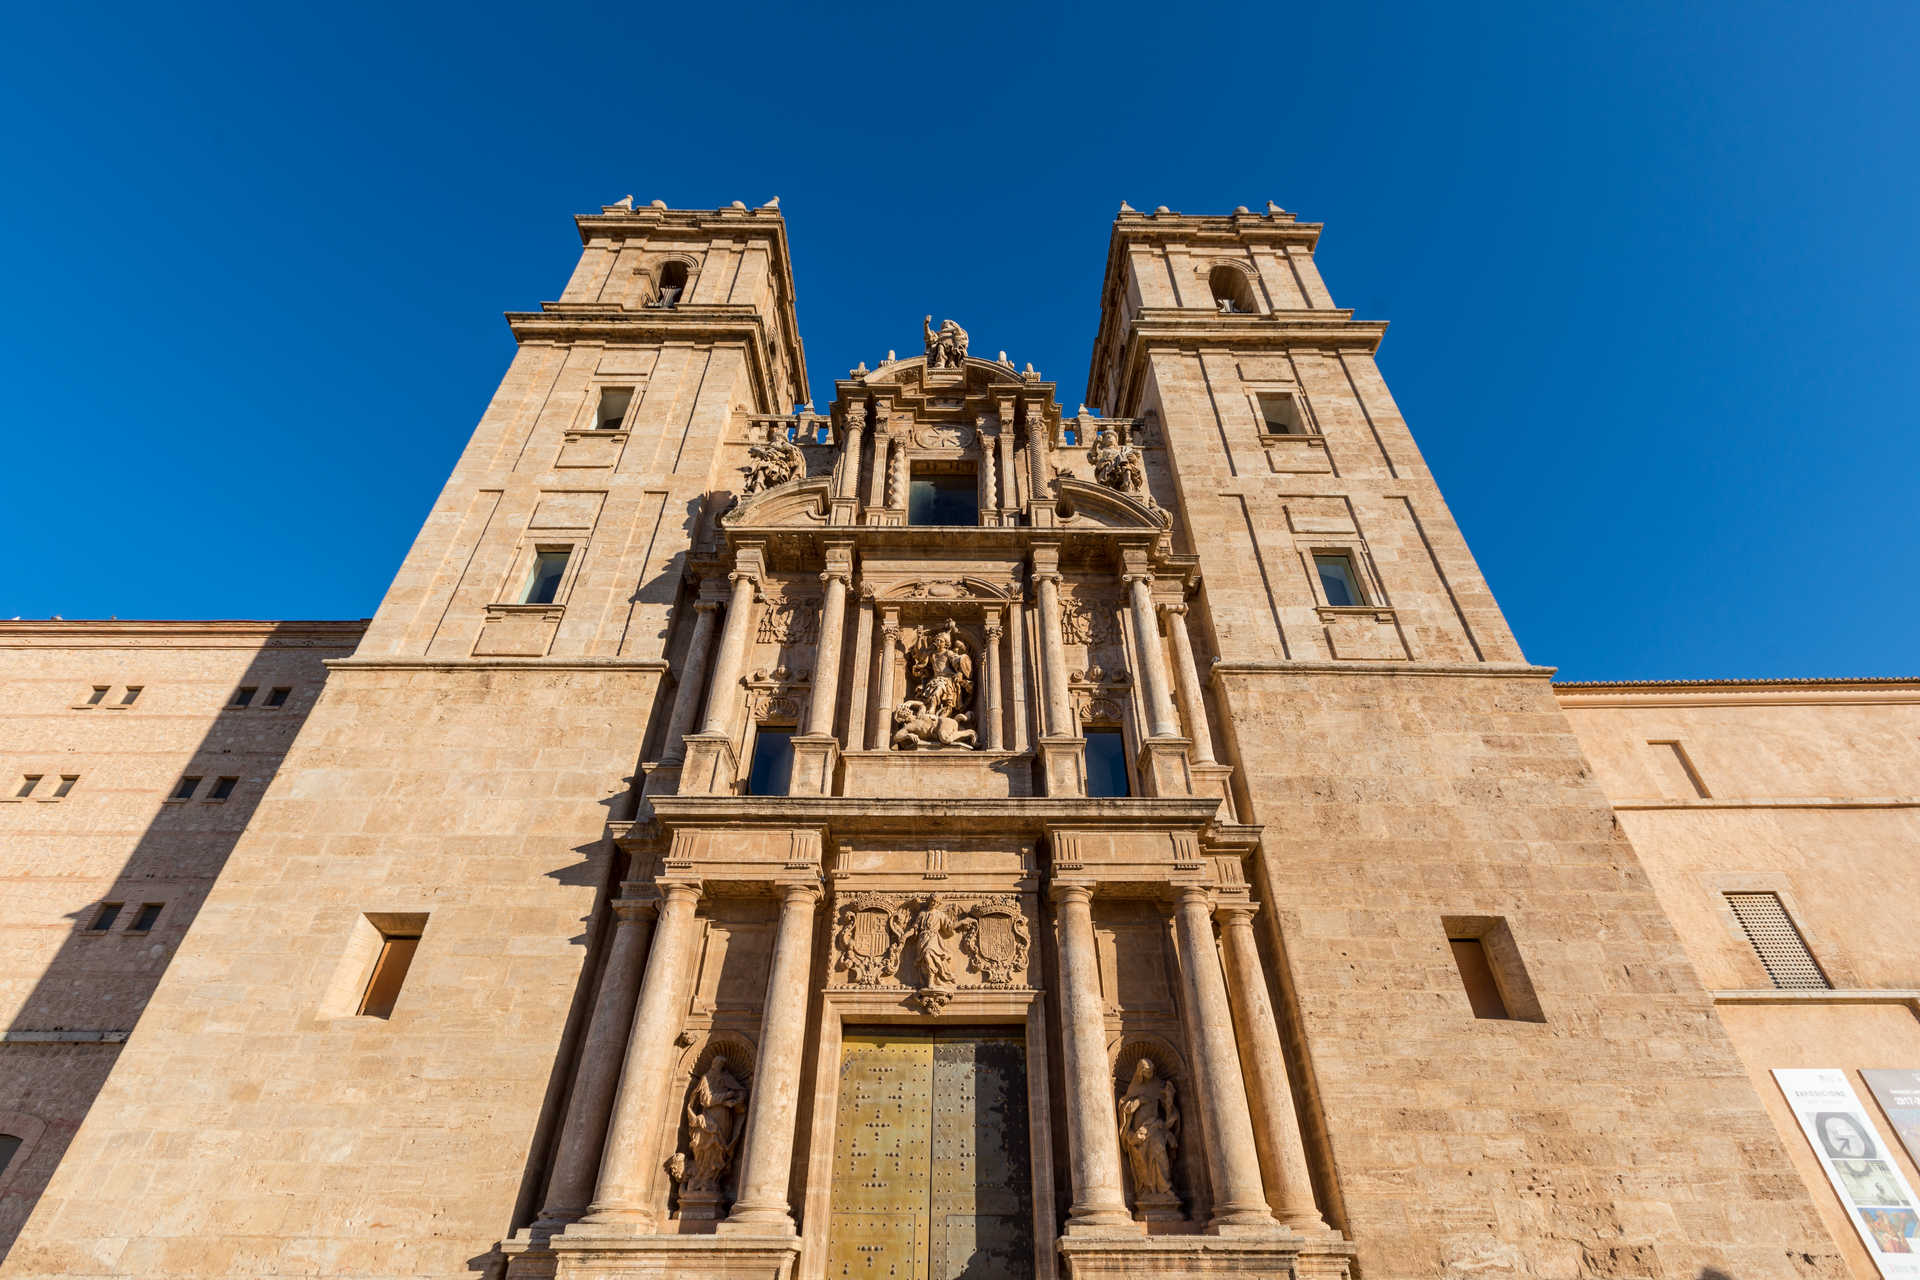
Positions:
(1679, 780)
(9, 1147)
(222, 788)
(543, 580)
(132, 693)
(1338, 581)
(397, 948)
(772, 772)
(1476, 973)
(184, 789)
(98, 695)
(1107, 764)
(103, 918)
(614, 402)
(66, 785)
(243, 696)
(1280, 416)
(1232, 295)
(1491, 970)
(148, 917)
(278, 696)
(27, 783)
(1782, 951)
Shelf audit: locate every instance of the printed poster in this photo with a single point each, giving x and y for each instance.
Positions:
(1898, 1093)
(1874, 1191)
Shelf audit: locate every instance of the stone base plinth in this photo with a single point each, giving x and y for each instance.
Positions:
(1163, 765)
(1282, 1253)
(581, 1256)
(1065, 761)
(814, 758)
(711, 766)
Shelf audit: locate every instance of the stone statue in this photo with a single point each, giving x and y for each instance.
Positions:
(1150, 1134)
(931, 930)
(1118, 466)
(773, 463)
(947, 348)
(714, 1112)
(940, 684)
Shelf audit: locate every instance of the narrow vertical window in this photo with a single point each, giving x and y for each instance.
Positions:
(772, 771)
(614, 402)
(103, 918)
(27, 783)
(222, 788)
(184, 789)
(243, 696)
(1491, 969)
(66, 784)
(543, 581)
(1337, 579)
(98, 695)
(1107, 763)
(1776, 940)
(277, 697)
(9, 1146)
(132, 692)
(148, 917)
(1280, 414)
(389, 972)
(1476, 974)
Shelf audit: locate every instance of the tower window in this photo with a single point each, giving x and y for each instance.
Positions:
(132, 693)
(1476, 973)
(243, 696)
(277, 696)
(543, 581)
(943, 497)
(98, 695)
(1782, 951)
(103, 918)
(222, 788)
(1338, 580)
(397, 948)
(673, 284)
(148, 917)
(1107, 763)
(27, 783)
(9, 1147)
(1232, 295)
(66, 784)
(772, 771)
(614, 402)
(1280, 415)
(1495, 978)
(184, 789)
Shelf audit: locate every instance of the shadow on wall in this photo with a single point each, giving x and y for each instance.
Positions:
(67, 1034)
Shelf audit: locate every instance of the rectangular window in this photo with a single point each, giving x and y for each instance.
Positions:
(1476, 972)
(98, 695)
(66, 784)
(389, 972)
(1491, 970)
(1107, 763)
(103, 918)
(613, 407)
(183, 789)
(133, 692)
(222, 788)
(543, 582)
(943, 498)
(772, 771)
(1782, 951)
(277, 696)
(148, 917)
(1280, 415)
(244, 696)
(27, 783)
(1338, 579)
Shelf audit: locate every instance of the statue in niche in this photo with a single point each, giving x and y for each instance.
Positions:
(947, 348)
(933, 929)
(940, 681)
(1150, 1134)
(1119, 466)
(715, 1109)
(773, 463)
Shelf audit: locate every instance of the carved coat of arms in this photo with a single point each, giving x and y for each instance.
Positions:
(994, 935)
(871, 935)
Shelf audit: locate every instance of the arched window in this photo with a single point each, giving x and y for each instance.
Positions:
(1231, 292)
(673, 285)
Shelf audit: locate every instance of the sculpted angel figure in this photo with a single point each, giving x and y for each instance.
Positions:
(1117, 466)
(931, 929)
(941, 668)
(773, 463)
(946, 348)
(714, 1112)
(1149, 1132)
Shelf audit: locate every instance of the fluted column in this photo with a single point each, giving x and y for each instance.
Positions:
(1187, 676)
(1152, 658)
(990, 661)
(1233, 1162)
(826, 667)
(733, 652)
(1053, 655)
(639, 1107)
(846, 482)
(771, 1110)
(1093, 1134)
(881, 730)
(598, 1074)
(1269, 1092)
(693, 669)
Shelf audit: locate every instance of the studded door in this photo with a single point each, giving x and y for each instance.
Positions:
(931, 1171)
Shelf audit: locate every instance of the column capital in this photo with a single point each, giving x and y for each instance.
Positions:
(1045, 575)
(796, 890)
(704, 605)
(1144, 579)
(843, 576)
(738, 576)
(994, 630)
(1178, 610)
(672, 891)
(1234, 915)
(1191, 894)
(636, 908)
(1064, 891)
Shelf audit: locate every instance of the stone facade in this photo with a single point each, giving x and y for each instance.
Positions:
(947, 835)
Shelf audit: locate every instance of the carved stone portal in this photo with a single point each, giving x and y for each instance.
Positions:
(1150, 1135)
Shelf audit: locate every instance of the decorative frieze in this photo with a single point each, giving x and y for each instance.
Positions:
(956, 942)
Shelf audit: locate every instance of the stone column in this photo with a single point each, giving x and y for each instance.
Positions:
(862, 667)
(768, 1145)
(846, 483)
(723, 696)
(1059, 719)
(1233, 1161)
(1009, 499)
(826, 667)
(1152, 658)
(598, 1074)
(1270, 1094)
(1038, 466)
(881, 730)
(877, 478)
(693, 669)
(639, 1106)
(1093, 1133)
(1187, 676)
(1017, 671)
(990, 661)
(989, 485)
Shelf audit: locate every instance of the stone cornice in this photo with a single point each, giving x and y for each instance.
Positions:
(914, 816)
(496, 664)
(561, 322)
(1856, 691)
(1164, 328)
(1481, 670)
(216, 633)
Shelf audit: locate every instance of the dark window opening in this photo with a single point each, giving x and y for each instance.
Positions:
(244, 696)
(148, 917)
(103, 919)
(98, 695)
(673, 284)
(772, 771)
(613, 407)
(943, 498)
(278, 696)
(222, 788)
(1338, 580)
(133, 691)
(184, 789)
(9, 1146)
(543, 583)
(66, 784)
(27, 783)
(389, 972)
(1107, 763)
(1476, 974)
(1281, 416)
(1231, 292)
(1069, 436)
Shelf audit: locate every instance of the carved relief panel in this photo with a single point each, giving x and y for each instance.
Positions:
(935, 944)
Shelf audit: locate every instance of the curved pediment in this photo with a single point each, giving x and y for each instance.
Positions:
(979, 374)
(798, 503)
(949, 588)
(1084, 502)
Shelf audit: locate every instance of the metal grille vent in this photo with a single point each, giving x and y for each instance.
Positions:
(1779, 945)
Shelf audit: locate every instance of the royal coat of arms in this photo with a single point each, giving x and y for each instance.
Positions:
(871, 935)
(994, 935)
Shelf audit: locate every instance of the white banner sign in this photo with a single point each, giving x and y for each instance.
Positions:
(1857, 1162)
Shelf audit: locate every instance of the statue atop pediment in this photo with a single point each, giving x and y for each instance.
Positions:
(947, 347)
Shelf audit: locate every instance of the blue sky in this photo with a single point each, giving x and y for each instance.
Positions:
(1651, 270)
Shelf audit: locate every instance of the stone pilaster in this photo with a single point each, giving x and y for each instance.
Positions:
(711, 766)
(990, 676)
